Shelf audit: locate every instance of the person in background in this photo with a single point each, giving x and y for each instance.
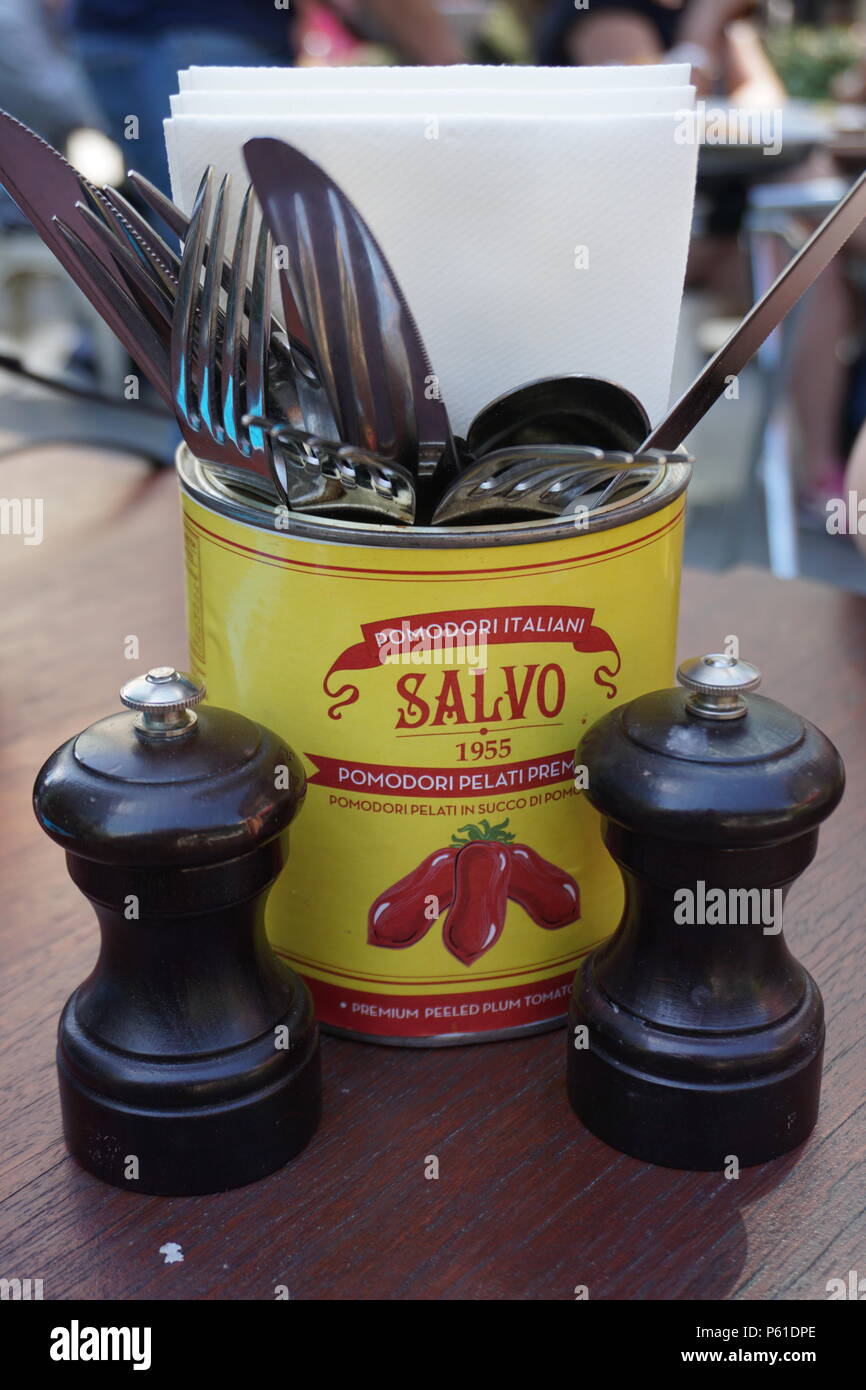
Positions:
(416, 29)
(41, 84)
(726, 59)
(134, 49)
(724, 52)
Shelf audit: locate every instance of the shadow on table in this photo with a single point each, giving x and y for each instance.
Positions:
(668, 1233)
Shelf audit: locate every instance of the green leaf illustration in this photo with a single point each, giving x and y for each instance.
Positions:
(469, 834)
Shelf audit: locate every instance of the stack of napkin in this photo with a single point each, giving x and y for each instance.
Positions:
(538, 220)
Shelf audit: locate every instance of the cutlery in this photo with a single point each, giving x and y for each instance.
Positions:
(571, 410)
(219, 374)
(789, 287)
(257, 400)
(108, 251)
(155, 298)
(293, 383)
(230, 375)
(353, 483)
(50, 193)
(47, 189)
(117, 308)
(178, 223)
(289, 351)
(527, 483)
(215, 384)
(367, 348)
(132, 229)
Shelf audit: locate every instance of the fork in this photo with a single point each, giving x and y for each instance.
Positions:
(361, 484)
(151, 270)
(219, 376)
(217, 379)
(119, 245)
(163, 263)
(544, 481)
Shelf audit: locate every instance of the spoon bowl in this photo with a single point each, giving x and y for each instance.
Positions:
(568, 410)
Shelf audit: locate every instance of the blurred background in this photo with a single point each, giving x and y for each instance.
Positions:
(75, 70)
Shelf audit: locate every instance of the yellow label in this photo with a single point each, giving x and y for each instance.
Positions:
(446, 873)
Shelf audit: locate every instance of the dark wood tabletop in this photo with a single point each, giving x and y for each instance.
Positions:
(527, 1205)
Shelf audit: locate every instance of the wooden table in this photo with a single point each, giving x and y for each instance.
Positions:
(527, 1205)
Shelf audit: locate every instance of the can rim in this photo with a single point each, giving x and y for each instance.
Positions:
(201, 481)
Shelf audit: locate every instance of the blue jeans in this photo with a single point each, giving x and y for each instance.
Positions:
(135, 75)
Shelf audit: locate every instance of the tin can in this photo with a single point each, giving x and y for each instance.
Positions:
(446, 873)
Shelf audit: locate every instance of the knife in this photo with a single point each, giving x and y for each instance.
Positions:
(798, 276)
(47, 189)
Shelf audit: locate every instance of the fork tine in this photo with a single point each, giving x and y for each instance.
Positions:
(233, 342)
(209, 313)
(607, 495)
(155, 296)
(131, 230)
(93, 199)
(517, 480)
(173, 218)
(145, 241)
(156, 200)
(258, 336)
(186, 304)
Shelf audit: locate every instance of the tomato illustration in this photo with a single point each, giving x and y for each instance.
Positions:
(472, 880)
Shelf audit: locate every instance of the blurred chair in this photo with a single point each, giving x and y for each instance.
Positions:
(30, 280)
(780, 215)
(27, 269)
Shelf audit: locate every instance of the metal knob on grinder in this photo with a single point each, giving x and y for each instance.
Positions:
(164, 699)
(188, 1061)
(695, 1036)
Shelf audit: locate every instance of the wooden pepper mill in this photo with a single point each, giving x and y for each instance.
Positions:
(695, 1036)
(188, 1060)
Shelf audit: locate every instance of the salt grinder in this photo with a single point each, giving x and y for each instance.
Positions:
(188, 1060)
(695, 1036)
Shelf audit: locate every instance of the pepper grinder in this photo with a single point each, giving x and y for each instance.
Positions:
(695, 1036)
(188, 1060)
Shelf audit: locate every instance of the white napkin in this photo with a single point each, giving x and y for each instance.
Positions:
(448, 102)
(460, 76)
(527, 245)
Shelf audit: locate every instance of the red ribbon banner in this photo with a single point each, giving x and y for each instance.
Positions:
(459, 637)
(373, 779)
